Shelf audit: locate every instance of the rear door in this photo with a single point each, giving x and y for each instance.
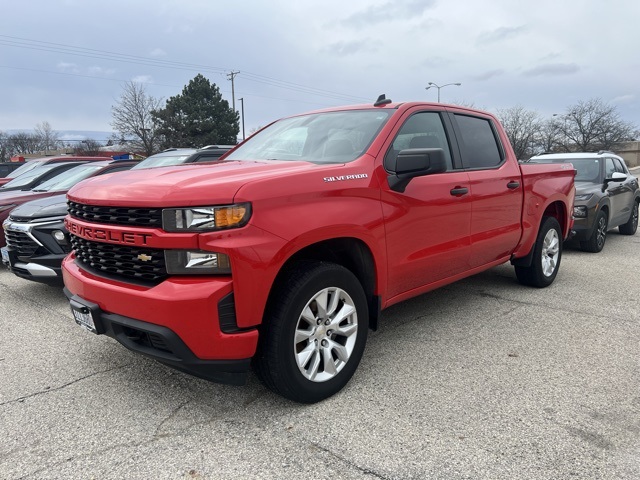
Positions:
(496, 189)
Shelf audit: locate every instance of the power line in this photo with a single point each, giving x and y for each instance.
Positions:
(19, 42)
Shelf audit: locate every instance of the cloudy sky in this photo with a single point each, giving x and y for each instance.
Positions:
(65, 61)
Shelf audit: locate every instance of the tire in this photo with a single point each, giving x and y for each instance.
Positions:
(631, 226)
(547, 253)
(305, 354)
(595, 243)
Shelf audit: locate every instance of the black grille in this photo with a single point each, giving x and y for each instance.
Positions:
(121, 262)
(22, 243)
(142, 217)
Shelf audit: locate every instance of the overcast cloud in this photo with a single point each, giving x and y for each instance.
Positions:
(65, 61)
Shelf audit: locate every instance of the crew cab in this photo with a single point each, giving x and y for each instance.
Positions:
(283, 254)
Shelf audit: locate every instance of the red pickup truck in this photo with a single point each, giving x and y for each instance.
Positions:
(284, 253)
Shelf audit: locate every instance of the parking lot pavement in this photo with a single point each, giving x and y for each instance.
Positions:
(482, 379)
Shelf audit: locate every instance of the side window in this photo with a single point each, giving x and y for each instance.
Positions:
(421, 130)
(480, 146)
(609, 168)
(619, 167)
(121, 168)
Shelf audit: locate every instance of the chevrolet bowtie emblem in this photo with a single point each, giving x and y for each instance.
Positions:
(144, 257)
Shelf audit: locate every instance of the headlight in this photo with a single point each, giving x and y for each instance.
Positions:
(584, 197)
(6, 207)
(580, 211)
(205, 219)
(188, 262)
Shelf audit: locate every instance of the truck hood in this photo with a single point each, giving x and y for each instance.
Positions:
(55, 206)
(183, 185)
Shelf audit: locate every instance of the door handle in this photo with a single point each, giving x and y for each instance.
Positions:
(458, 191)
(513, 184)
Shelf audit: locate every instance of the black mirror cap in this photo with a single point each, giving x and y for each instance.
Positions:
(415, 162)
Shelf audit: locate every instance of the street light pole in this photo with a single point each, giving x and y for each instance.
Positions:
(242, 110)
(434, 85)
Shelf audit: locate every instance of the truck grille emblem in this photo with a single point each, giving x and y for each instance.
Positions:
(144, 257)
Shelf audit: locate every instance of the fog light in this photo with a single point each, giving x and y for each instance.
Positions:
(60, 237)
(187, 262)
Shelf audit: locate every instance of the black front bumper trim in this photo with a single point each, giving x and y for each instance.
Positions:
(164, 345)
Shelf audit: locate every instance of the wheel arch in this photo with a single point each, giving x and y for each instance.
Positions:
(349, 252)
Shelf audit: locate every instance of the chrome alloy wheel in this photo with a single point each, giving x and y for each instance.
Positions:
(325, 334)
(601, 234)
(550, 250)
(634, 216)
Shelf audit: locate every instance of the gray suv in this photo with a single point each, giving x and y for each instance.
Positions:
(607, 196)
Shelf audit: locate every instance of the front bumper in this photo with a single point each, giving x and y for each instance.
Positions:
(583, 226)
(33, 252)
(184, 311)
(162, 344)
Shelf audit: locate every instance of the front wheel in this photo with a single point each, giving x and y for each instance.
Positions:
(314, 333)
(547, 253)
(595, 243)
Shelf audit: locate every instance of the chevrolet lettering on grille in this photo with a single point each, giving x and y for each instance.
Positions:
(106, 235)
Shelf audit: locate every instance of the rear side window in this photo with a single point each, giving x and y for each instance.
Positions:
(480, 146)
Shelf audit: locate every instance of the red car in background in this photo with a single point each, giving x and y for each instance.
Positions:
(36, 162)
(57, 185)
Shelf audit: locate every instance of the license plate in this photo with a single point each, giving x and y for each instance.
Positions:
(5, 255)
(84, 318)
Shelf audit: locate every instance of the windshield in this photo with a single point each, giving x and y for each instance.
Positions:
(68, 179)
(587, 169)
(23, 169)
(161, 161)
(331, 137)
(28, 177)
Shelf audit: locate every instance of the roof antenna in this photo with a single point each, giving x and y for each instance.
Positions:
(382, 100)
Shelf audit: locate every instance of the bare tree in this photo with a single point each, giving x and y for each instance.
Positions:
(522, 127)
(23, 142)
(132, 117)
(594, 125)
(549, 138)
(88, 147)
(47, 137)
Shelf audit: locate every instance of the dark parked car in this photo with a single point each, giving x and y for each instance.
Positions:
(24, 167)
(178, 156)
(607, 196)
(7, 167)
(23, 232)
(36, 176)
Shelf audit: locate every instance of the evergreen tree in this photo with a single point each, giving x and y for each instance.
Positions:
(197, 117)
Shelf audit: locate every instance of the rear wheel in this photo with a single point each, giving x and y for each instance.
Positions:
(547, 254)
(595, 243)
(631, 226)
(314, 333)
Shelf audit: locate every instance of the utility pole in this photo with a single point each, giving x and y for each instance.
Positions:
(231, 75)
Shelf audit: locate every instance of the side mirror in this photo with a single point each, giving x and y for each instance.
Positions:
(616, 177)
(415, 162)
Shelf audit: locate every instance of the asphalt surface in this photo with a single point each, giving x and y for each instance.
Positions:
(483, 379)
